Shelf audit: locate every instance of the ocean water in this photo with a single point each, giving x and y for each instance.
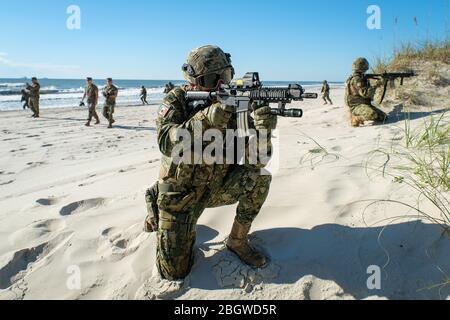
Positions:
(66, 93)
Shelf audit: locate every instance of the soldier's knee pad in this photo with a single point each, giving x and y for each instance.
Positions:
(176, 239)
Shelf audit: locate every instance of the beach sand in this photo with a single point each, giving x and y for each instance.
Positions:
(72, 203)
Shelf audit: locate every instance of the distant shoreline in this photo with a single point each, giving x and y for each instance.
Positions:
(68, 93)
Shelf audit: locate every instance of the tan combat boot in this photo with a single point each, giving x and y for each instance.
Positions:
(238, 244)
(357, 121)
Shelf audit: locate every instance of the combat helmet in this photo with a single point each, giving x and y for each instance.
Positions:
(361, 65)
(207, 65)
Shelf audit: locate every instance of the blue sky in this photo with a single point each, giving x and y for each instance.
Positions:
(142, 39)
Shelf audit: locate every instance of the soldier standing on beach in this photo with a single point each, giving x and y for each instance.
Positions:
(91, 92)
(144, 95)
(326, 93)
(184, 191)
(359, 94)
(33, 91)
(25, 99)
(169, 87)
(110, 93)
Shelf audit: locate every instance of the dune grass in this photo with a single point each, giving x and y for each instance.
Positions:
(422, 162)
(431, 51)
(408, 53)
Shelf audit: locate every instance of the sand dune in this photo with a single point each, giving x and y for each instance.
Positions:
(72, 198)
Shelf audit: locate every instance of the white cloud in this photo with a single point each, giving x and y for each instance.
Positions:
(35, 66)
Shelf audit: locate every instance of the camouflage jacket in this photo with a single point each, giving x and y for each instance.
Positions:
(325, 89)
(91, 93)
(358, 90)
(110, 92)
(175, 114)
(34, 90)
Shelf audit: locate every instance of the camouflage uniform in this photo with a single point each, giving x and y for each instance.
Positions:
(169, 87)
(25, 99)
(359, 95)
(185, 191)
(110, 93)
(91, 92)
(144, 96)
(326, 93)
(34, 96)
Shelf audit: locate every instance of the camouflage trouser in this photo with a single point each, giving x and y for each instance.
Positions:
(34, 105)
(368, 113)
(108, 111)
(93, 112)
(326, 98)
(179, 213)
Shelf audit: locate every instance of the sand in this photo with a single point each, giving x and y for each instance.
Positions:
(72, 208)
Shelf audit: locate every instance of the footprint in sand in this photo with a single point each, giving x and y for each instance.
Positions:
(35, 164)
(81, 206)
(35, 231)
(18, 150)
(14, 265)
(116, 244)
(47, 201)
(6, 183)
(337, 148)
(127, 170)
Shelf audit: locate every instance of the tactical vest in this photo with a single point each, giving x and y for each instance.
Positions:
(352, 98)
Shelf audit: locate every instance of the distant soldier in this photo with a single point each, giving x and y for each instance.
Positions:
(25, 99)
(326, 93)
(169, 87)
(359, 95)
(110, 93)
(91, 93)
(144, 95)
(33, 91)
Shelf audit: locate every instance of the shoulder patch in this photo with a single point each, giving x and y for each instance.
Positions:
(164, 110)
(170, 97)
